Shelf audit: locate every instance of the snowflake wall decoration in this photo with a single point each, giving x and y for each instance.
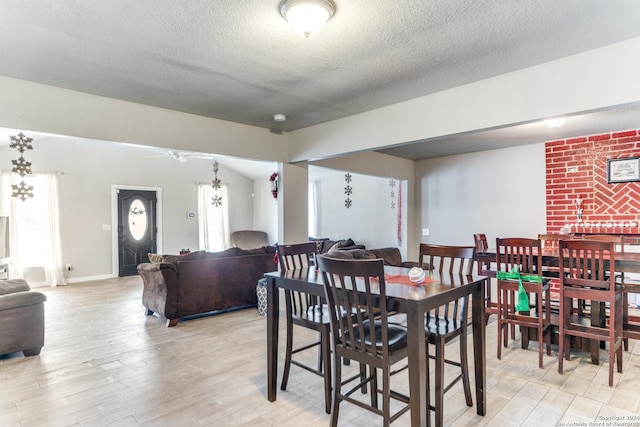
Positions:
(22, 191)
(21, 166)
(392, 186)
(348, 190)
(21, 143)
(216, 184)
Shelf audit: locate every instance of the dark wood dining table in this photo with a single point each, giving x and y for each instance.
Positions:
(627, 262)
(415, 301)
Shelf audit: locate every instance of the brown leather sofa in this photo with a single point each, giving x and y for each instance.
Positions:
(202, 282)
(21, 318)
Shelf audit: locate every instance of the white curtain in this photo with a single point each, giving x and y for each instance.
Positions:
(313, 204)
(34, 223)
(213, 222)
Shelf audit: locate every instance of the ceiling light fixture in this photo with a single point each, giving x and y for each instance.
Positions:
(307, 17)
(555, 122)
(279, 117)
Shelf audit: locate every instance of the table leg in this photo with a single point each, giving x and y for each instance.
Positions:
(479, 347)
(417, 359)
(273, 311)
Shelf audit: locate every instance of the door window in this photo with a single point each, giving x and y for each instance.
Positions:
(137, 219)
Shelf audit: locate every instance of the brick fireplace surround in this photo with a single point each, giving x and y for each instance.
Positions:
(576, 168)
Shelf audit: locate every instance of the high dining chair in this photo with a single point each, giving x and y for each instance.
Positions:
(591, 267)
(520, 256)
(480, 240)
(628, 327)
(358, 286)
(484, 269)
(309, 312)
(449, 321)
(550, 241)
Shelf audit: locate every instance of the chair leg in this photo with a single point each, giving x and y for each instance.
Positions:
(374, 387)
(287, 357)
(439, 391)
(337, 381)
(320, 352)
(540, 346)
(326, 361)
(386, 396)
(625, 318)
(464, 367)
(428, 388)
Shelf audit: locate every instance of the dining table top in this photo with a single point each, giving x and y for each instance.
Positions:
(628, 262)
(436, 286)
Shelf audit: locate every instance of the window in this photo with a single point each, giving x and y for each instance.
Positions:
(213, 221)
(37, 227)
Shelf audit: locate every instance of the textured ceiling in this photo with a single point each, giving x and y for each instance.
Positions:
(240, 61)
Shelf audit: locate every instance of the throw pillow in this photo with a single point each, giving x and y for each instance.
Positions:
(155, 257)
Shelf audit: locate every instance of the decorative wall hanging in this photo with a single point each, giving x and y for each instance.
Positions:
(348, 190)
(392, 186)
(273, 179)
(623, 170)
(21, 166)
(216, 200)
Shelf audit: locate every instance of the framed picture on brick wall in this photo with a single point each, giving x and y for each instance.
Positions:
(623, 170)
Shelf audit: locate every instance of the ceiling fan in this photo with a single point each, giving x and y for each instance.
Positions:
(180, 156)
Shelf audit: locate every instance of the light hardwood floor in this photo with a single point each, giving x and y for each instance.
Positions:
(105, 363)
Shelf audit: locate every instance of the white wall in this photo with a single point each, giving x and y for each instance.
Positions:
(265, 209)
(89, 169)
(370, 220)
(500, 193)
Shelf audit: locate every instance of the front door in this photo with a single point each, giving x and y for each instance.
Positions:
(136, 229)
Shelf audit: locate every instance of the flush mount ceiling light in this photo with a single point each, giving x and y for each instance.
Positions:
(555, 122)
(307, 17)
(279, 117)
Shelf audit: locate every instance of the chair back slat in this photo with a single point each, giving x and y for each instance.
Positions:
(452, 260)
(357, 287)
(293, 257)
(550, 240)
(519, 252)
(480, 240)
(584, 260)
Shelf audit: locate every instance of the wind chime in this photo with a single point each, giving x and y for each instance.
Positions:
(21, 166)
(348, 190)
(216, 200)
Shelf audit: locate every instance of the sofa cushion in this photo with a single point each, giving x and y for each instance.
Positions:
(249, 239)
(13, 285)
(186, 257)
(222, 254)
(339, 254)
(262, 250)
(391, 255)
(361, 254)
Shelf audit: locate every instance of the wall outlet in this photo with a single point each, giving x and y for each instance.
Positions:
(69, 267)
(425, 231)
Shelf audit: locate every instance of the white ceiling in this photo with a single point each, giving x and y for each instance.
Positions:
(240, 61)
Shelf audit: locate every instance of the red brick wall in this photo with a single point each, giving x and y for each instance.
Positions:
(602, 202)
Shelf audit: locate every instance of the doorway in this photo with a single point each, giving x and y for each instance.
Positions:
(136, 228)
